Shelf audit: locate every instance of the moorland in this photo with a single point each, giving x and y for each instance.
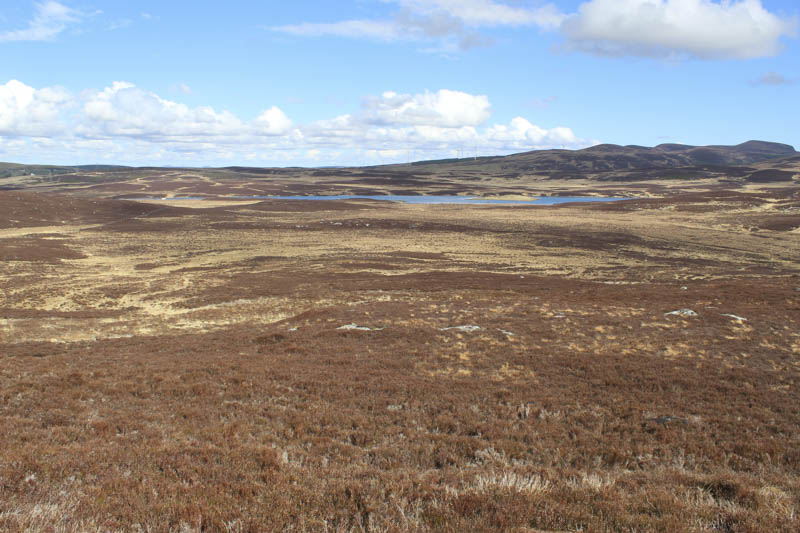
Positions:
(245, 364)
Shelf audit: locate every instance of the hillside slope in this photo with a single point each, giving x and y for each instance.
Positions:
(612, 157)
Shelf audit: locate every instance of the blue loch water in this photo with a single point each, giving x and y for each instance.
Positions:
(451, 199)
(413, 199)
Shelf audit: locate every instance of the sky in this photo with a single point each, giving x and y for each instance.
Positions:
(362, 82)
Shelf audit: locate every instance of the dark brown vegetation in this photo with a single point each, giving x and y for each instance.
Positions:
(364, 366)
(24, 209)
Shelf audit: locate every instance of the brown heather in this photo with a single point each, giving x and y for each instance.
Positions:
(187, 370)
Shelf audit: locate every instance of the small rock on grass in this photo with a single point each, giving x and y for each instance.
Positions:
(466, 328)
(667, 419)
(356, 327)
(735, 317)
(681, 312)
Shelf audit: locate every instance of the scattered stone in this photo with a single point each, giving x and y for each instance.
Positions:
(295, 328)
(356, 327)
(735, 317)
(466, 328)
(394, 407)
(681, 312)
(666, 419)
(506, 333)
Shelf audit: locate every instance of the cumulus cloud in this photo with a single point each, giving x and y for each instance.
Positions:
(123, 109)
(443, 108)
(740, 29)
(708, 29)
(28, 111)
(273, 121)
(125, 123)
(435, 124)
(520, 133)
(50, 19)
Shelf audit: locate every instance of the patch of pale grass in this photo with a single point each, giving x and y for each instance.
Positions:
(53, 516)
(513, 481)
(591, 481)
(777, 501)
(508, 480)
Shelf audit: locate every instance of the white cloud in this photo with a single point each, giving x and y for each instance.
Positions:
(128, 111)
(51, 18)
(391, 154)
(372, 29)
(738, 29)
(432, 124)
(273, 121)
(452, 23)
(131, 125)
(520, 133)
(478, 13)
(435, 136)
(443, 108)
(125, 110)
(708, 29)
(28, 111)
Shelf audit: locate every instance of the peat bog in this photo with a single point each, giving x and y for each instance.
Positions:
(359, 365)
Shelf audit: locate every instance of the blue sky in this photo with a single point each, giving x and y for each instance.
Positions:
(368, 81)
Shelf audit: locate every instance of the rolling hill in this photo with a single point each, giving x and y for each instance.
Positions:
(612, 157)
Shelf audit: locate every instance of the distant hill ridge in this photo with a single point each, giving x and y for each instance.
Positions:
(613, 157)
(599, 158)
